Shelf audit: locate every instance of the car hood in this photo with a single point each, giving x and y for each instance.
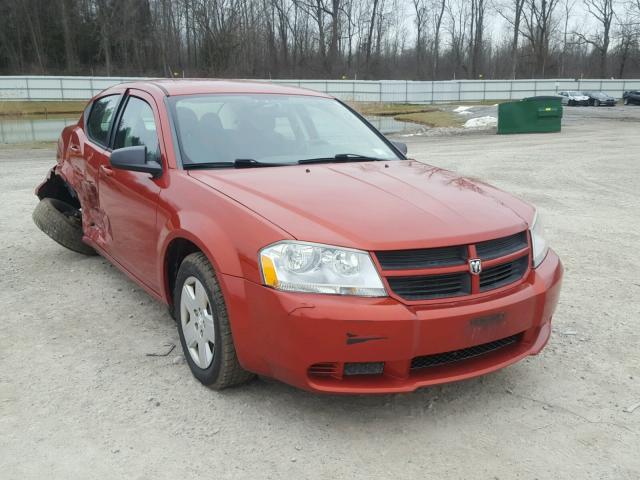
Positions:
(373, 205)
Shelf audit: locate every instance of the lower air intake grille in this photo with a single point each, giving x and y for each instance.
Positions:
(437, 359)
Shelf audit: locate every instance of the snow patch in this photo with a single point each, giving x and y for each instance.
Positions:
(481, 122)
(463, 110)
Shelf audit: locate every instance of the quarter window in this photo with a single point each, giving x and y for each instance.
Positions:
(99, 121)
(138, 128)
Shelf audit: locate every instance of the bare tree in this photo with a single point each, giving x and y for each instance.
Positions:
(372, 24)
(569, 5)
(316, 38)
(512, 13)
(421, 12)
(538, 25)
(476, 33)
(602, 11)
(439, 14)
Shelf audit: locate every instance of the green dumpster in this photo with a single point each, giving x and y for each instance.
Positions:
(530, 115)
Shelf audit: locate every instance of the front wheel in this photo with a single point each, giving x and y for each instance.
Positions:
(596, 103)
(203, 325)
(63, 223)
(626, 101)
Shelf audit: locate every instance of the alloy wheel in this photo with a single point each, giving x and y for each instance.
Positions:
(196, 320)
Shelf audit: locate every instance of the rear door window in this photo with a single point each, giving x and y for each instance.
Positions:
(100, 118)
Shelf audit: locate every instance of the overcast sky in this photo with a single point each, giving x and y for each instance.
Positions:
(498, 28)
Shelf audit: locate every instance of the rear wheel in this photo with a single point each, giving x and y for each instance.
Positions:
(203, 325)
(63, 223)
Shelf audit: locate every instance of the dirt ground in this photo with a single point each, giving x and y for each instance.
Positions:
(80, 398)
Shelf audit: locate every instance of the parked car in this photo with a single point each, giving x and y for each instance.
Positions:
(290, 239)
(573, 98)
(598, 99)
(631, 97)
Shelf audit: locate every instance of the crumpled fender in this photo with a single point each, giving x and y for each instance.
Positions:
(55, 185)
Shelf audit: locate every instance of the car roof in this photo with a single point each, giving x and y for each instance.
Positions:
(171, 87)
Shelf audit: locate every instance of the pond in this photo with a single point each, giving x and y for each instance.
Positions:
(28, 129)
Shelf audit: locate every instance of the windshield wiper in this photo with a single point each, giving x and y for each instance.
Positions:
(237, 163)
(341, 157)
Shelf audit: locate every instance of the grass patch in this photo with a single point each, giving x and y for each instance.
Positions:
(391, 109)
(431, 115)
(435, 119)
(41, 107)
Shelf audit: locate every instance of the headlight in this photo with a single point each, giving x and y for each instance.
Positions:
(310, 267)
(539, 244)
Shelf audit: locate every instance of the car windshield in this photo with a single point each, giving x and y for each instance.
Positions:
(270, 129)
(575, 94)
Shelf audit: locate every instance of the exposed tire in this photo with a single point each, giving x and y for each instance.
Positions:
(596, 103)
(199, 307)
(626, 101)
(63, 223)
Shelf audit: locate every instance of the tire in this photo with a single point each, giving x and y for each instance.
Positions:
(596, 103)
(61, 222)
(626, 101)
(203, 325)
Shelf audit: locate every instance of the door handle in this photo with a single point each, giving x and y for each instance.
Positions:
(106, 171)
(74, 148)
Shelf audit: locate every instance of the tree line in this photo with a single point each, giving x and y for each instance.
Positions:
(364, 39)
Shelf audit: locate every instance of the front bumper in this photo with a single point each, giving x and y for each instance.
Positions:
(284, 335)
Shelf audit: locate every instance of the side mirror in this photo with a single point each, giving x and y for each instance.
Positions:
(135, 159)
(401, 146)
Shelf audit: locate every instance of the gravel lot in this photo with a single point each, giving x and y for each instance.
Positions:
(80, 398)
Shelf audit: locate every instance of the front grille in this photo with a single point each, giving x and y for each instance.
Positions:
(503, 274)
(502, 246)
(423, 258)
(431, 286)
(445, 358)
(456, 280)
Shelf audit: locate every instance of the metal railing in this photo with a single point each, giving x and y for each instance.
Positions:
(391, 91)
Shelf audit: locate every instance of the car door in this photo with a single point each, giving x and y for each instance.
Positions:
(88, 149)
(129, 199)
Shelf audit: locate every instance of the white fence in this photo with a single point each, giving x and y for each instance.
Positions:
(393, 91)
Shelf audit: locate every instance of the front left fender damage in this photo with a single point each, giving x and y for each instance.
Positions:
(81, 194)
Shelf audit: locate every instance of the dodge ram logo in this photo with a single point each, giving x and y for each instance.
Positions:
(475, 266)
